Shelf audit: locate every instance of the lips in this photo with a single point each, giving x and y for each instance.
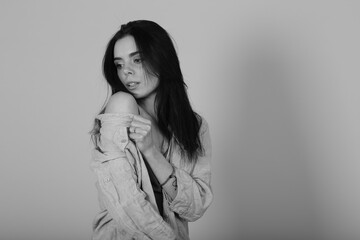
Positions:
(132, 85)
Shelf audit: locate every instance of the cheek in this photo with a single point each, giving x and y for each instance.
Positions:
(152, 81)
(121, 75)
(156, 82)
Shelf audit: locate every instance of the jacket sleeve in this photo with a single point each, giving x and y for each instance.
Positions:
(194, 194)
(119, 183)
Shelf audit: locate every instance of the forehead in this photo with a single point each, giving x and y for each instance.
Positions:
(125, 46)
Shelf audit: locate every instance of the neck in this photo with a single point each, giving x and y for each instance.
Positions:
(148, 104)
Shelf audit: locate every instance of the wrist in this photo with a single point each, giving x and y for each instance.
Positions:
(172, 174)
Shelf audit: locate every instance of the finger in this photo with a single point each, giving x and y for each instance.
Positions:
(136, 137)
(141, 119)
(137, 130)
(132, 129)
(140, 125)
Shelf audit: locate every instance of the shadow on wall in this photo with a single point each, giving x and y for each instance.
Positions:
(274, 191)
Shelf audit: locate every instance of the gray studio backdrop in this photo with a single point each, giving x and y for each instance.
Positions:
(278, 82)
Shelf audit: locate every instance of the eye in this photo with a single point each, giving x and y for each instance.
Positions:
(137, 60)
(119, 65)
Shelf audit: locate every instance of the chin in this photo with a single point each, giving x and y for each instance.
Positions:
(137, 96)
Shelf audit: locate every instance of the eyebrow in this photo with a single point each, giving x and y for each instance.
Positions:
(131, 55)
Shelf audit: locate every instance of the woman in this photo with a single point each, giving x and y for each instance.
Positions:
(152, 151)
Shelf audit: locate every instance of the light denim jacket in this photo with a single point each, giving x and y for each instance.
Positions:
(127, 201)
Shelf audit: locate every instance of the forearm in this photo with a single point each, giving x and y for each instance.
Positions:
(162, 170)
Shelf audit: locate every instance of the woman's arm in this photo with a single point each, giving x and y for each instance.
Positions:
(118, 179)
(194, 188)
(190, 193)
(162, 169)
(140, 132)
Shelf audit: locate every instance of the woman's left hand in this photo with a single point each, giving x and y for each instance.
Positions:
(140, 133)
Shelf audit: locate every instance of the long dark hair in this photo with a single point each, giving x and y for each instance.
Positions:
(175, 115)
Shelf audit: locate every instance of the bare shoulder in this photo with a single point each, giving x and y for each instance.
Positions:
(122, 102)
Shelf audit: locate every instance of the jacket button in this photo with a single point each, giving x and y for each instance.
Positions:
(107, 180)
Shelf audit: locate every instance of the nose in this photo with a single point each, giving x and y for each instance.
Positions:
(128, 71)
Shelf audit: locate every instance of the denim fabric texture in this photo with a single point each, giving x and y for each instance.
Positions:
(128, 208)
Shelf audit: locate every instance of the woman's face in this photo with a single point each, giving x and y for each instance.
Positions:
(130, 69)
